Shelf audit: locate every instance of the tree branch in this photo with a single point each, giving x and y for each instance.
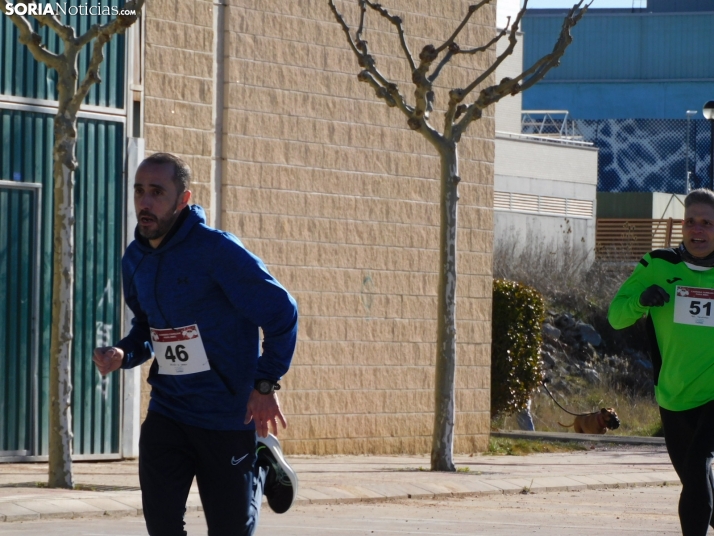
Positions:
(88, 36)
(472, 112)
(532, 75)
(554, 57)
(92, 75)
(472, 9)
(65, 32)
(345, 29)
(115, 26)
(101, 35)
(381, 91)
(376, 79)
(489, 44)
(362, 13)
(397, 21)
(499, 60)
(33, 41)
(455, 49)
(447, 57)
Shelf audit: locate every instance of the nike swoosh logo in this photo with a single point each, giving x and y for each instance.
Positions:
(670, 281)
(236, 462)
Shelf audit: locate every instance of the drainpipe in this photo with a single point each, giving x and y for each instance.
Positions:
(219, 29)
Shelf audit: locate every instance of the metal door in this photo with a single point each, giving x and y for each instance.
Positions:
(26, 155)
(20, 216)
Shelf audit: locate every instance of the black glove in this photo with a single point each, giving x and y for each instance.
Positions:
(654, 296)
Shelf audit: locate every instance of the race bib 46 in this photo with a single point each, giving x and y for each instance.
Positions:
(179, 351)
(694, 306)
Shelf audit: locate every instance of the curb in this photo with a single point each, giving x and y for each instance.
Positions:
(128, 506)
(588, 438)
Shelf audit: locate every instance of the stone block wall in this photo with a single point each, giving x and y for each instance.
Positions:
(341, 200)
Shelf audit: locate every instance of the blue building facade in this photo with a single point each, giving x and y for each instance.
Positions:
(628, 80)
(626, 64)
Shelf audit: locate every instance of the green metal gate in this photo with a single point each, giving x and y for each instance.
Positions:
(19, 320)
(27, 92)
(26, 157)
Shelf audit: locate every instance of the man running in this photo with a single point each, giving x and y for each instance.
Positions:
(199, 299)
(674, 288)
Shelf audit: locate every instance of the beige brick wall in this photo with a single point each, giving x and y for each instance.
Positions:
(329, 186)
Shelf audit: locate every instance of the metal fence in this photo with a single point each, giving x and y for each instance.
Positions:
(650, 155)
(628, 240)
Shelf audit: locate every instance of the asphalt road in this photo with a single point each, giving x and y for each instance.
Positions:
(642, 510)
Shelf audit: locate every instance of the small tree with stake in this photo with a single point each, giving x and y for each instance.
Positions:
(461, 110)
(71, 94)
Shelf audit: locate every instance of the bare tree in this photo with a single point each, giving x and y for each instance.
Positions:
(71, 93)
(462, 109)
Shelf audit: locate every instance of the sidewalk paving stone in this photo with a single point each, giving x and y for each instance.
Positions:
(111, 488)
(634, 478)
(110, 506)
(365, 494)
(131, 501)
(15, 512)
(609, 481)
(529, 484)
(441, 488)
(474, 488)
(558, 483)
(588, 481)
(312, 495)
(504, 485)
(336, 493)
(46, 509)
(650, 478)
(401, 490)
(193, 503)
(77, 507)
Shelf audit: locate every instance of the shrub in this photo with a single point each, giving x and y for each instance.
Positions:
(516, 368)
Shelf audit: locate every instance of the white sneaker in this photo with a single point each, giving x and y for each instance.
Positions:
(281, 483)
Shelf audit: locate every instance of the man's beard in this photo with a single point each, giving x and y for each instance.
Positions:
(163, 225)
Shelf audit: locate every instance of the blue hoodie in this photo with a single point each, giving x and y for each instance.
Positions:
(203, 276)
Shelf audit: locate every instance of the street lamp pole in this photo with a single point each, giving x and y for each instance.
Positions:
(690, 114)
(708, 112)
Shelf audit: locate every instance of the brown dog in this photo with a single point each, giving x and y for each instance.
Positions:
(597, 422)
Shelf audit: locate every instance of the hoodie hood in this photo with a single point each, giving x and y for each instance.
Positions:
(189, 217)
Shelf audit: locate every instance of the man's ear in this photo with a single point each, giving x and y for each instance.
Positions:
(185, 198)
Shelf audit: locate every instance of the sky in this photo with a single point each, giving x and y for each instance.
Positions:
(597, 3)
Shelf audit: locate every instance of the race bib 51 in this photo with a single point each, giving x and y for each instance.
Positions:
(179, 351)
(694, 306)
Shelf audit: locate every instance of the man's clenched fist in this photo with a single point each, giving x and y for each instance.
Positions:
(654, 296)
(108, 359)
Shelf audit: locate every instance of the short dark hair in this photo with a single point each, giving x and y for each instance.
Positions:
(700, 196)
(182, 173)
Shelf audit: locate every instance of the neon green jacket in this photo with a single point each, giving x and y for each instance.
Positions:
(682, 353)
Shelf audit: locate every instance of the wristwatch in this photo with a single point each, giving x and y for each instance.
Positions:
(266, 387)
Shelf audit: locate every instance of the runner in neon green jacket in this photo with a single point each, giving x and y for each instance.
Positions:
(674, 288)
(683, 365)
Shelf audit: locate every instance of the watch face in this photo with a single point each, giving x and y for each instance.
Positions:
(264, 387)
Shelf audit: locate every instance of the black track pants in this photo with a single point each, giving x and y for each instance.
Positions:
(689, 436)
(223, 462)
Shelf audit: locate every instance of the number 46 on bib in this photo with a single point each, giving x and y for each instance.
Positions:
(179, 351)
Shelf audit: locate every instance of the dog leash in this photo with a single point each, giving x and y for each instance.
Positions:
(557, 404)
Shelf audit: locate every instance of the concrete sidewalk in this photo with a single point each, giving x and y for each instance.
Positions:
(112, 488)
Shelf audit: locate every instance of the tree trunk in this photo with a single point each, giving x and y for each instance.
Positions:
(443, 441)
(60, 436)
